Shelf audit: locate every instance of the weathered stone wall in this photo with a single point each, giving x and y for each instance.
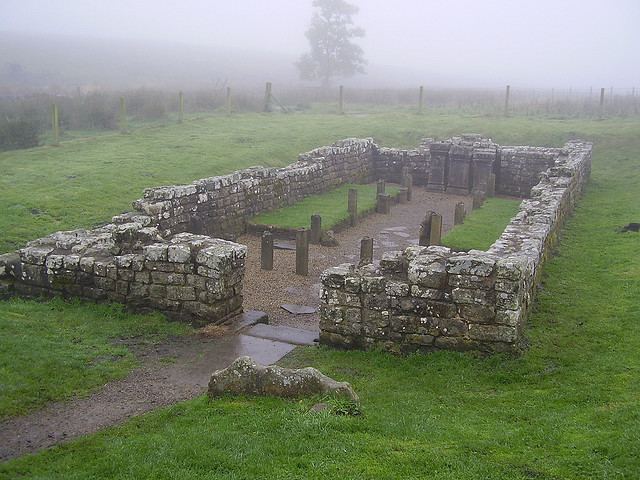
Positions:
(188, 277)
(427, 298)
(389, 162)
(220, 206)
(519, 168)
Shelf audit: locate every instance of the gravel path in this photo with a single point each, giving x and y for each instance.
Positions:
(180, 368)
(268, 290)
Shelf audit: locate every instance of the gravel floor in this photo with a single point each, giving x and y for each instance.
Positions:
(268, 290)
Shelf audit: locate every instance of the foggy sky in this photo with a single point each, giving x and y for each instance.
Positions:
(540, 43)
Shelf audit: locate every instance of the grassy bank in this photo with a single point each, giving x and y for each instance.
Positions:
(482, 226)
(331, 206)
(56, 349)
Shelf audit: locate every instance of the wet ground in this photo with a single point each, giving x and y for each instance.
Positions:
(180, 368)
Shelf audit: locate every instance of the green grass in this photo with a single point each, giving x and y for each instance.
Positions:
(331, 206)
(568, 408)
(53, 350)
(482, 226)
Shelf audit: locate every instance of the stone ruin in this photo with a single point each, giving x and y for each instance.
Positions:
(175, 252)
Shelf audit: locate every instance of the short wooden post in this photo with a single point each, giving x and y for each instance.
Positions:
(425, 230)
(266, 251)
(380, 186)
(341, 101)
(491, 185)
(267, 97)
(316, 229)
(421, 100)
(352, 206)
(409, 187)
(302, 251)
(228, 101)
(601, 101)
(123, 115)
(384, 203)
(435, 233)
(366, 251)
(458, 216)
(180, 107)
(478, 199)
(55, 124)
(403, 194)
(506, 100)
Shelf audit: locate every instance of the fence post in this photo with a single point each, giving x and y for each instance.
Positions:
(266, 251)
(341, 100)
(506, 100)
(267, 97)
(366, 250)
(55, 124)
(601, 102)
(180, 107)
(316, 229)
(228, 101)
(352, 206)
(302, 251)
(421, 100)
(123, 115)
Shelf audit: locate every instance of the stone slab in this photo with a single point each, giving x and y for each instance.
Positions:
(298, 309)
(290, 335)
(248, 319)
(284, 244)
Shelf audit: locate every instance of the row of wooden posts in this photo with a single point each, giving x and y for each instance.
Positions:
(269, 100)
(430, 231)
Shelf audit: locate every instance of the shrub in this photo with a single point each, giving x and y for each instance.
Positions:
(15, 134)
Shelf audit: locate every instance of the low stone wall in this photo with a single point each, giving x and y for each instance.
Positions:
(427, 298)
(220, 206)
(188, 277)
(519, 168)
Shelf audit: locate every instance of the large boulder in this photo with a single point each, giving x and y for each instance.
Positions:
(246, 377)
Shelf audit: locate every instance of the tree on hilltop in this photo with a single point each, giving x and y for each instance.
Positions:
(332, 53)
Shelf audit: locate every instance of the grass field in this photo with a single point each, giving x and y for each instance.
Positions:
(331, 206)
(482, 226)
(567, 408)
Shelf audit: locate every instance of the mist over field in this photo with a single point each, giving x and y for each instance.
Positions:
(198, 43)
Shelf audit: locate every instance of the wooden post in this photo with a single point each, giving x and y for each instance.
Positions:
(316, 229)
(506, 101)
(302, 251)
(266, 251)
(341, 101)
(478, 199)
(267, 97)
(228, 101)
(409, 187)
(180, 107)
(352, 206)
(421, 100)
(491, 185)
(380, 186)
(384, 203)
(55, 124)
(123, 115)
(601, 101)
(366, 251)
(435, 233)
(425, 229)
(458, 216)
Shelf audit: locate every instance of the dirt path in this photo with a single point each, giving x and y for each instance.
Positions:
(180, 369)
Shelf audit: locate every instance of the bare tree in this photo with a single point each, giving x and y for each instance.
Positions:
(332, 53)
